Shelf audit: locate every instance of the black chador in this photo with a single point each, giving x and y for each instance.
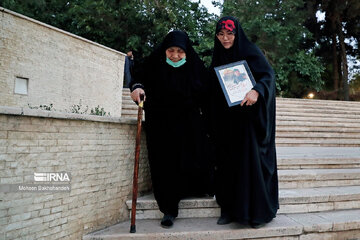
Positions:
(246, 176)
(177, 139)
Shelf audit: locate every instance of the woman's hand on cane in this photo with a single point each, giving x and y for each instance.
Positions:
(136, 95)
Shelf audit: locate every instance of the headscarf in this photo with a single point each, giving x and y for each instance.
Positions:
(263, 73)
(157, 76)
(178, 39)
(242, 49)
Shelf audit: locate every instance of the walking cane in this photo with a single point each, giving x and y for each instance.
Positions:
(136, 165)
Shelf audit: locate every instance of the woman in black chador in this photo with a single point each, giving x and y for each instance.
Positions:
(246, 171)
(173, 81)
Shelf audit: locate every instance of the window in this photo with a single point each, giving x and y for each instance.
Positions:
(21, 85)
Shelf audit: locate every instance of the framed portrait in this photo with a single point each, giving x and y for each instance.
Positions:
(236, 80)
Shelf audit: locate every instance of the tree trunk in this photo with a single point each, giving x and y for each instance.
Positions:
(343, 62)
(334, 17)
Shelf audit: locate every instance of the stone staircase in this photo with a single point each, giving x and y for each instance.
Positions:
(305, 122)
(318, 147)
(302, 122)
(129, 108)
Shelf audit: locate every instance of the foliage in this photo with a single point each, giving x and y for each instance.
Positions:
(138, 25)
(98, 111)
(277, 28)
(337, 36)
(45, 107)
(77, 108)
(296, 44)
(355, 83)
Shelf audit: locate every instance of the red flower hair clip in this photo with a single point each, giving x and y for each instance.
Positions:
(228, 24)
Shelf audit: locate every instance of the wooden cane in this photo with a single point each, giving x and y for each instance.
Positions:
(136, 166)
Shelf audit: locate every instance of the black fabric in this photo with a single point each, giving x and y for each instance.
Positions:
(246, 176)
(177, 39)
(175, 124)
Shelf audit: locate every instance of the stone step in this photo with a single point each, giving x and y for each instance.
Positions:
(283, 108)
(306, 163)
(293, 116)
(129, 112)
(302, 122)
(316, 142)
(318, 101)
(318, 105)
(319, 141)
(289, 116)
(291, 201)
(330, 135)
(129, 116)
(133, 108)
(309, 178)
(293, 126)
(291, 112)
(344, 224)
(299, 102)
(311, 129)
(128, 101)
(296, 106)
(319, 112)
(310, 123)
(317, 157)
(316, 152)
(330, 118)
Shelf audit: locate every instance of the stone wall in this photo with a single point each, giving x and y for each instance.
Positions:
(98, 152)
(61, 68)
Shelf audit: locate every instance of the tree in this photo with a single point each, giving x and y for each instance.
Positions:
(123, 25)
(337, 34)
(277, 27)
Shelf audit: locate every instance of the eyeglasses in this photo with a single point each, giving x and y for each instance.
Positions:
(228, 35)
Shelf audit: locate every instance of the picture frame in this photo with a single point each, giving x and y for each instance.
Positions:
(236, 81)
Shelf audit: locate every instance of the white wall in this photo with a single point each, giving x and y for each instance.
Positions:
(62, 68)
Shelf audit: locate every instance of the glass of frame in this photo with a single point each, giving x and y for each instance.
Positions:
(236, 81)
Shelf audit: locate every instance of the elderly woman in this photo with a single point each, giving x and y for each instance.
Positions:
(173, 81)
(244, 135)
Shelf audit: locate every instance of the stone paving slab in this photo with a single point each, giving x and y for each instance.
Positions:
(293, 226)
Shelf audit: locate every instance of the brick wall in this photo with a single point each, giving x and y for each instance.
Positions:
(62, 68)
(97, 151)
